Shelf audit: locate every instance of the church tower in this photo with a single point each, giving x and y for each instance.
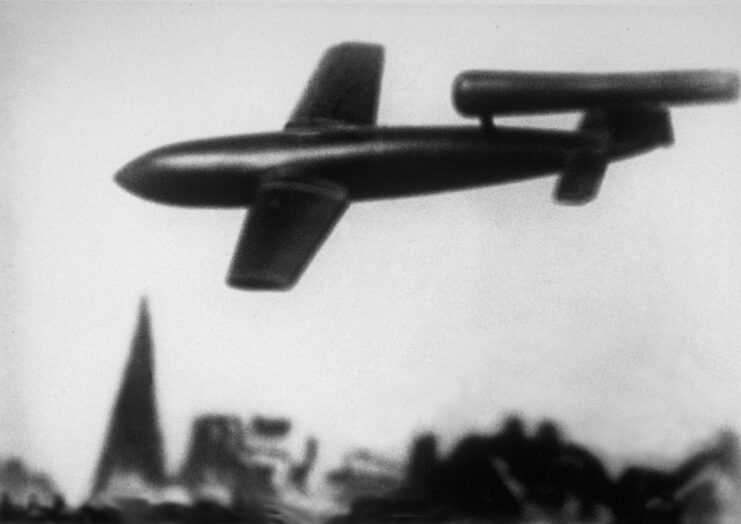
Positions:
(133, 445)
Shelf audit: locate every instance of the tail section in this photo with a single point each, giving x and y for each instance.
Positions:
(631, 129)
(622, 132)
(582, 177)
(626, 113)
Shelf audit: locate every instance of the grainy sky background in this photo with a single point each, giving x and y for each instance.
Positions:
(620, 319)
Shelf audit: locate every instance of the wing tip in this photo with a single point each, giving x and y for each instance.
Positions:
(357, 46)
(263, 281)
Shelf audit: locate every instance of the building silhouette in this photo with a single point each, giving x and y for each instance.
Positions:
(215, 452)
(133, 445)
(230, 462)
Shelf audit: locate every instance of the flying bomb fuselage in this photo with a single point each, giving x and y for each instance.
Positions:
(369, 163)
(298, 182)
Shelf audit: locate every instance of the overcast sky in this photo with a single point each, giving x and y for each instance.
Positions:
(620, 318)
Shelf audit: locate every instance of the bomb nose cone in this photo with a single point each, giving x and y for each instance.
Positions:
(204, 173)
(128, 176)
(143, 177)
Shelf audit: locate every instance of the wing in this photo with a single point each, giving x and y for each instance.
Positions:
(289, 221)
(344, 89)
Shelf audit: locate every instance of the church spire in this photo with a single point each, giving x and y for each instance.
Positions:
(134, 441)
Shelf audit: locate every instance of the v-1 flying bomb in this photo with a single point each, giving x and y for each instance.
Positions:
(299, 181)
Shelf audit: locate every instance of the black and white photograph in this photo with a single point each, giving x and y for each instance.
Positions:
(358, 263)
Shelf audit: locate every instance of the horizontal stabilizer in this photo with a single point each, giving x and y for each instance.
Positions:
(582, 177)
(486, 93)
(630, 129)
(289, 221)
(344, 89)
